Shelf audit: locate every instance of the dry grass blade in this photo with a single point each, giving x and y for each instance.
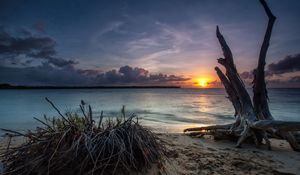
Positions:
(73, 144)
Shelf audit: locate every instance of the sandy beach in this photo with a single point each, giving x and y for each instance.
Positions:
(201, 156)
(193, 156)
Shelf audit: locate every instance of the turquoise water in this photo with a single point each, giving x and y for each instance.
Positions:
(169, 110)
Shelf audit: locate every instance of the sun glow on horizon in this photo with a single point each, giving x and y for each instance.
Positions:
(202, 82)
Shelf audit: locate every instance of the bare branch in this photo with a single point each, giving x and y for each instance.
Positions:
(260, 96)
(235, 80)
(232, 94)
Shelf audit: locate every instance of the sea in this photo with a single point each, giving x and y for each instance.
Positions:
(161, 109)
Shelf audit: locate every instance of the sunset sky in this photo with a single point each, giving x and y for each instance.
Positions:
(139, 42)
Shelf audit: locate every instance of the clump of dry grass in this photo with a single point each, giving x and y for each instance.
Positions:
(73, 144)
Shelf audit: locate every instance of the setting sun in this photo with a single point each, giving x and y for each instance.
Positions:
(202, 82)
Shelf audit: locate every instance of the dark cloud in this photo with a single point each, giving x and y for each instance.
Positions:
(290, 63)
(166, 78)
(89, 72)
(12, 48)
(47, 74)
(60, 62)
(130, 75)
(31, 46)
(44, 74)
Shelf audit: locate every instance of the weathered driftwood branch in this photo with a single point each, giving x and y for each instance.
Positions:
(253, 122)
(260, 93)
(237, 90)
(260, 96)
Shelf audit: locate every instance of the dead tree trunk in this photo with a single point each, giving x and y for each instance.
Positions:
(253, 122)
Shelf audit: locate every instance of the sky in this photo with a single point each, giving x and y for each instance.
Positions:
(143, 42)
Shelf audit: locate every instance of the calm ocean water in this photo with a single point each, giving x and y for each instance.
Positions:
(169, 110)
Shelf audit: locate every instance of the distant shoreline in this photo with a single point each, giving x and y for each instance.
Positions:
(7, 86)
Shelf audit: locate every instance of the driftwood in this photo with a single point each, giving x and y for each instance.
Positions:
(254, 122)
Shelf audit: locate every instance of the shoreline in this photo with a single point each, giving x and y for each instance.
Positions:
(187, 155)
